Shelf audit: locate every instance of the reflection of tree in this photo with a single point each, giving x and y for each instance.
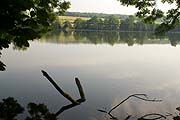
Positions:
(79, 35)
(99, 37)
(94, 37)
(141, 37)
(10, 108)
(59, 37)
(127, 38)
(111, 37)
(174, 38)
(67, 33)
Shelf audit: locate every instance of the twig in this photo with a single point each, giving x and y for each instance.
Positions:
(67, 96)
(139, 96)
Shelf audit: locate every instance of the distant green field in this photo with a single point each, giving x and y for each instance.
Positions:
(70, 18)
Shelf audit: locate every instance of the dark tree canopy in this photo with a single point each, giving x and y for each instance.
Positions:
(149, 12)
(23, 20)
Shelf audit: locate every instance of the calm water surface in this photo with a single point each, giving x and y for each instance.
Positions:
(108, 72)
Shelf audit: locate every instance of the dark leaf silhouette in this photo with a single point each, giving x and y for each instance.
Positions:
(10, 108)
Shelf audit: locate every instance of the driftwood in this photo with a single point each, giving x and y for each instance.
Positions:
(66, 95)
(143, 97)
(81, 91)
(139, 96)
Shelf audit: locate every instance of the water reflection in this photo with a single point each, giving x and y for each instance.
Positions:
(111, 37)
(10, 108)
(109, 73)
(101, 37)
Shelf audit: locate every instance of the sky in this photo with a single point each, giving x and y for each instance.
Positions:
(105, 6)
(100, 6)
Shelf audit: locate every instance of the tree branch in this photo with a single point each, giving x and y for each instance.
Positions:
(139, 96)
(81, 92)
(67, 96)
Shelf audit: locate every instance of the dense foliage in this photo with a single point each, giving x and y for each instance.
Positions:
(23, 20)
(10, 109)
(131, 23)
(95, 23)
(110, 23)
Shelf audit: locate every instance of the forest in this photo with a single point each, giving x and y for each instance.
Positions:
(106, 22)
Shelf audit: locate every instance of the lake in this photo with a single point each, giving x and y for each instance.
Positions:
(110, 65)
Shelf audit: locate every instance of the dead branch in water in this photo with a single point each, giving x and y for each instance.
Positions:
(143, 97)
(139, 96)
(67, 96)
(66, 107)
(80, 88)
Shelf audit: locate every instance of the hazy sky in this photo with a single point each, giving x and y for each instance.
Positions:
(100, 6)
(104, 6)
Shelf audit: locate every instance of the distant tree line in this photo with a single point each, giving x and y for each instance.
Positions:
(90, 15)
(112, 22)
(96, 23)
